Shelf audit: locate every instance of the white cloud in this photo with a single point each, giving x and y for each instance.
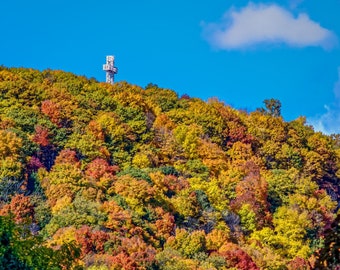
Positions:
(260, 23)
(329, 122)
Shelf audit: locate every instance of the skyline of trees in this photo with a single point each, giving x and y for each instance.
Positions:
(122, 177)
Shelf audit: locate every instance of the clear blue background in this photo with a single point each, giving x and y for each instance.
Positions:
(162, 42)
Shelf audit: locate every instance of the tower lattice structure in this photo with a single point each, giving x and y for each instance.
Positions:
(110, 69)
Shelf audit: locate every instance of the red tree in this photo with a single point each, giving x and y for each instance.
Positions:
(41, 136)
(52, 110)
(237, 258)
(20, 207)
(91, 241)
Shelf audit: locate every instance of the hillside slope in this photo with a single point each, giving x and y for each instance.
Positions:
(142, 179)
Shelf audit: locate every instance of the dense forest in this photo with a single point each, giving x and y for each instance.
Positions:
(98, 176)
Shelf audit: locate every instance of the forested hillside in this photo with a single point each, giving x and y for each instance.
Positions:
(99, 176)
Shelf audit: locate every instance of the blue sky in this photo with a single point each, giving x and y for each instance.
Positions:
(239, 51)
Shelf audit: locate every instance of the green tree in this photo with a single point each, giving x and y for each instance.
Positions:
(272, 107)
(21, 250)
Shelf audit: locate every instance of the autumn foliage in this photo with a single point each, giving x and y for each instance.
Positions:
(105, 177)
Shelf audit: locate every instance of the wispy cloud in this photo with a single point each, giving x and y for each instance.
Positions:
(329, 122)
(263, 24)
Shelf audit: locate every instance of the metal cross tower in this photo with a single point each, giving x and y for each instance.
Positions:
(110, 68)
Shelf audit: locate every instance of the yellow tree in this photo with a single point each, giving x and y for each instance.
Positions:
(11, 167)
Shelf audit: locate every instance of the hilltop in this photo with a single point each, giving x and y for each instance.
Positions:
(102, 176)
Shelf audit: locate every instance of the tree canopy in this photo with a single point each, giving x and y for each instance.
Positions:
(100, 176)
